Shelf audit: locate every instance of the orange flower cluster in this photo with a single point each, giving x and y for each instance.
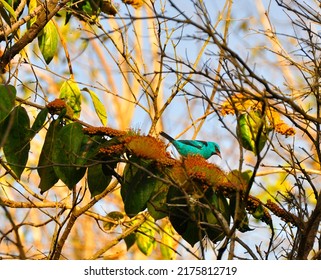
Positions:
(194, 173)
(103, 130)
(148, 147)
(283, 214)
(56, 106)
(135, 3)
(114, 150)
(198, 168)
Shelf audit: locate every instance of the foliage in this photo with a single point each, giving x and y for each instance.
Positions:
(75, 180)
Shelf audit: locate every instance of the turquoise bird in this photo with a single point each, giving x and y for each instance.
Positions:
(194, 147)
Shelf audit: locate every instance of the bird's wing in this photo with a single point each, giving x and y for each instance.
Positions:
(195, 143)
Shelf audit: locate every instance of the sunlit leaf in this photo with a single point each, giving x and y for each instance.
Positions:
(253, 131)
(88, 8)
(145, 237)
(71, 93)
(48, 41)
(32, 5)
(9, 9)
(13, 3)
(135, 3)
(167, 242)
(99, 106)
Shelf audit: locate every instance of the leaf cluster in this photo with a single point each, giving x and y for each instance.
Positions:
(198, 197)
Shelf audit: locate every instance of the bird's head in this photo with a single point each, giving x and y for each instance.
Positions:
(216, 150)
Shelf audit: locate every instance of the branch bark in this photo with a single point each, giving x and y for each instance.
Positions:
(47, 11)
(310, 232)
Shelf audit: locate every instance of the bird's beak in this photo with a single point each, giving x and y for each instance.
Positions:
(218, 153)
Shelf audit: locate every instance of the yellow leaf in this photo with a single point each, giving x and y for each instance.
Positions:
(71, 94)
(168, 243)
(145, 237)
(99, 107)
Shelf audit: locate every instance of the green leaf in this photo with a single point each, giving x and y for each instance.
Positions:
(246, 175)
(48, 177)
(48, 41)
(180, 217)
(259, 212)
(156, 204)
(32, 5)
(145, 237)
(218, 202)
(13, 3)
(97, 180)
(137, 187)
(116, 216)
(9, 9)
(66, 152)
(7, 99)
(88, 8)
(99, 107)
(194, 218)
(71, 93)
(240, 213)
(89, 150)
(17, 145)
(100, 168)
(38, 123)
(252, 131)
(130, 240)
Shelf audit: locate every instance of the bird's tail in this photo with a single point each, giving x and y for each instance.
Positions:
(165, 135)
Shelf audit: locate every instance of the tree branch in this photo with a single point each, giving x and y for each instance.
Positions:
(47, 11)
